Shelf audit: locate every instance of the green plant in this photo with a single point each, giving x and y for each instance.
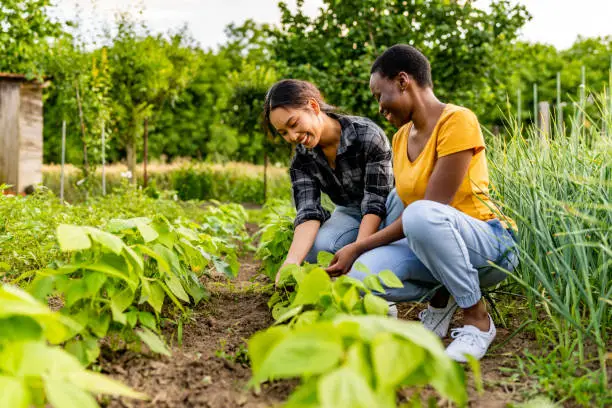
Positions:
(33, 373)
(275, 236)
(307, 294)
(557, 189)
(118, 280)
(355, 361)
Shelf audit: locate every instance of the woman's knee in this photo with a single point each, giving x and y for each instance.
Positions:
(421, 217)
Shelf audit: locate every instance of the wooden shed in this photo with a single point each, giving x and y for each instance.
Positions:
(21, 131)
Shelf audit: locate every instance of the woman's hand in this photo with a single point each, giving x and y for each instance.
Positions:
(278, 274)
(343, 260)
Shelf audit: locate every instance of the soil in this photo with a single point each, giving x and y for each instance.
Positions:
(208, 370)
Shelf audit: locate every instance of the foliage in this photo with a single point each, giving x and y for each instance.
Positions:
(307, 294)
(32, 373)
(237, 182)
(336, 48)
(113, 274)
(148, 71)
(558, 191)
(25, 35)
(275, 235)
(355, 361)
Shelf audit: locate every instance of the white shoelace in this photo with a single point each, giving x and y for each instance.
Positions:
(470, 335)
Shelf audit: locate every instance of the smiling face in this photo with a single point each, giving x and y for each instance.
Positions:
(299, 125)
(394, 102)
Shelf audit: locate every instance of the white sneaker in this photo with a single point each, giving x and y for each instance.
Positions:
(392, 313)
(470, 340)
(438, 319)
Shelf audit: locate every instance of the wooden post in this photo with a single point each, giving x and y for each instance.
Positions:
(146, 152)
(544, 119)
(535, 105)
(559, 107)
(103, 158)
(63, 161)
(83, 135)
(519, 111)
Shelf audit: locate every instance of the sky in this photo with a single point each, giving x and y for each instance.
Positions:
(556, 22)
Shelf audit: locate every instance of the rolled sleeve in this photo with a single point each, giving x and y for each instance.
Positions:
(307, 197)
(378, 176)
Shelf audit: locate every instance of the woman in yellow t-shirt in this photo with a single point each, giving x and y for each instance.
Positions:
(442, 246)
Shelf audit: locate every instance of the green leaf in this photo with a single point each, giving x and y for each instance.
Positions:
(372, 282)
(261, 344)
(324, 258)
(123, 299)
(131, 318)
(153, 341)
(475, 367)
(99, 324)
(345, 388)
(19, 328)
(350, 299)
(303, 352)
(312, 287)
(362, 268)
(148, 320)
(375, 305)
(135, 260)
(393, 359)
(13, 393)
(94, 282)
(72, 238)
(389, 279)
(157, 296)
(77, 290)
(290, 313)
(85, 350)
(106, 239)
(147, 232)
(101, 384)
(176, 287)
(62, 394)
(223, 267)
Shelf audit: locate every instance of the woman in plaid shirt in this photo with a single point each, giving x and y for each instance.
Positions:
(346, 157)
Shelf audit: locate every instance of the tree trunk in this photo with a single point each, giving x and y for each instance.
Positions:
(83, 133)
(130, 150)
(145, 153)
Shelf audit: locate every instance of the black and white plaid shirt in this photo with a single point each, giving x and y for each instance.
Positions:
(362, 179)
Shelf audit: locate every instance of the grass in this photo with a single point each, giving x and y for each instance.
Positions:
(557, 188)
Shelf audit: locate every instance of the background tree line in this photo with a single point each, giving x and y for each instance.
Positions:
(206, 104)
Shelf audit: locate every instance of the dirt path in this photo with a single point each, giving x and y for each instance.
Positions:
(207, 371)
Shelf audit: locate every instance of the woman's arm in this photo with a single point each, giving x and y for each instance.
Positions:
(369, 225)
(445, 180)
(303, 239)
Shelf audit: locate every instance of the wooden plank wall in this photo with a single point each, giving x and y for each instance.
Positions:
(9, 132)
(30, 136)
(21, 121)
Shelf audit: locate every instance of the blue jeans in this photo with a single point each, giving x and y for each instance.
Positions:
(443, 246)
(342, 227)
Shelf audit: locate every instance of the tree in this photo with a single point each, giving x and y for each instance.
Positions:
(25, 32)
(147, 73)
(336, 48)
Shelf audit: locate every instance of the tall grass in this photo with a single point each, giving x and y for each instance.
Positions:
(557, 188)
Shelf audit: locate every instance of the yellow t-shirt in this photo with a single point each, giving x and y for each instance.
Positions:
(456, 130)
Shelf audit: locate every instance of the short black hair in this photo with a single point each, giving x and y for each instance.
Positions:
(404, 58)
